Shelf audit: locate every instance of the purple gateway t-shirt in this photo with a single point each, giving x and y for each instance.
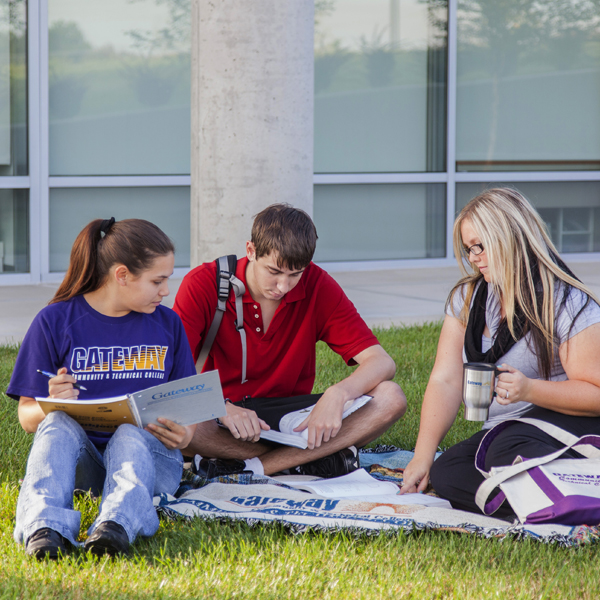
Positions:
(110, 356)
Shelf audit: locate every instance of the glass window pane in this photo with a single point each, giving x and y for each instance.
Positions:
(119, 79)
(13, 87)
(14, 231)
(380, 222)
(380, 86)
(570, 209)
(73, 208)
(528, 85)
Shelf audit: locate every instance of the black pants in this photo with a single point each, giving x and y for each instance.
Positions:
(271, 410)
(454, 476)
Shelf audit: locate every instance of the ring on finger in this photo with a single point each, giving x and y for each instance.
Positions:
(507, 394)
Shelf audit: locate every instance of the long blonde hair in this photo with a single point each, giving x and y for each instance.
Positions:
(524, 266)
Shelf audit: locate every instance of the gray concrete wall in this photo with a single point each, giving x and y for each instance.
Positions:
(252, 116)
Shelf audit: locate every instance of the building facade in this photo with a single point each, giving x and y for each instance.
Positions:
(418, 105)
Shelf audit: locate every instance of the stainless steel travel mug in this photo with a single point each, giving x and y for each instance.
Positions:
(479, 381)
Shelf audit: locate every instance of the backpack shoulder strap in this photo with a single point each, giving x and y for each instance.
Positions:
(226, 280)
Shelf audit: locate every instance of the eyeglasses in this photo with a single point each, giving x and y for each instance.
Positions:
(476, 249)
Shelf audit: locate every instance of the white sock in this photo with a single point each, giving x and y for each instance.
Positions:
(254, 465)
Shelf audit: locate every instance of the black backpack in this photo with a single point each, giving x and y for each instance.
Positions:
(226, 280)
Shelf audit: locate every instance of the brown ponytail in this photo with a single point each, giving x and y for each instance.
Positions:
(134, 243)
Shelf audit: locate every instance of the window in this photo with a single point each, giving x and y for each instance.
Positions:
(571, 209)
(73, 208)
(380, 222)
(380, 86)
(13, 88)
(14, 231)
(528, 86)
(119, 87)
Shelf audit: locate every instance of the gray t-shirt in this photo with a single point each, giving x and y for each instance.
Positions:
(520, 355)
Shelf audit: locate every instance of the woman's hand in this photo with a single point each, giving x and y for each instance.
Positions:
(174, 436)
(61, 386)
(511, 385)
(416, 476)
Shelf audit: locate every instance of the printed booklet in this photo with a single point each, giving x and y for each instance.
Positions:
(286, 434)
(184, 401)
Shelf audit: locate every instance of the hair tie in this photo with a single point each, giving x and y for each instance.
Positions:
(106, 225)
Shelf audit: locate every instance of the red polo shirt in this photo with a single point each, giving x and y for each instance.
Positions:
(281, 362)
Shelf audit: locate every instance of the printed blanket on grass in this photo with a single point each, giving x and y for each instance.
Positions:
(256, 499)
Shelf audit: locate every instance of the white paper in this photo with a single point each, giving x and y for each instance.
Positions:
(289, 422)
(358, 482)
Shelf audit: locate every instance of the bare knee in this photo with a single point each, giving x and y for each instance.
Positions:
(390, 400)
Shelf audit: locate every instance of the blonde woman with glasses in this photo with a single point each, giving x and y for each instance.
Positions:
(519, 307)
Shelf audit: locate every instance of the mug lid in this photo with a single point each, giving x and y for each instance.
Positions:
(479, 366)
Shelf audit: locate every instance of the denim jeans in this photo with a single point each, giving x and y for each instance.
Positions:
(132, 468)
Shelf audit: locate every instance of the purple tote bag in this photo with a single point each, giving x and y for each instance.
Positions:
(546, 489)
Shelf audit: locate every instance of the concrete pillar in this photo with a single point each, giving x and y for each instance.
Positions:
(252, 116)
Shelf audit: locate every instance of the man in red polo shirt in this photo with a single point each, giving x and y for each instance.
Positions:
(289, 305)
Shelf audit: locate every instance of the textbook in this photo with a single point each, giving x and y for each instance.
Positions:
(185, 401)
(357, 483)
(286, 434)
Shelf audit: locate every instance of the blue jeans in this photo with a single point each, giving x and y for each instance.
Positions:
(132, 468)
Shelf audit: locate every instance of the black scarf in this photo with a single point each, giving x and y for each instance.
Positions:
(476, 325)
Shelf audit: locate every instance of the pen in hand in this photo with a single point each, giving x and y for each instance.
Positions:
(51, 375)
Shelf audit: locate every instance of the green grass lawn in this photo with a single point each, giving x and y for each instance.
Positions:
(234, 560)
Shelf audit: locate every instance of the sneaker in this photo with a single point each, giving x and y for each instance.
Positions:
(339, 463)
(108, 538)
(209, 468)
(46, 542)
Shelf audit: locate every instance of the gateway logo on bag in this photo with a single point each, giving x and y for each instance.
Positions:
(578, 478)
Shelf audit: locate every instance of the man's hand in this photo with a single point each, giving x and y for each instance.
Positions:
(61, 386)
(243, 423)
(175, 436)
(325, 420)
